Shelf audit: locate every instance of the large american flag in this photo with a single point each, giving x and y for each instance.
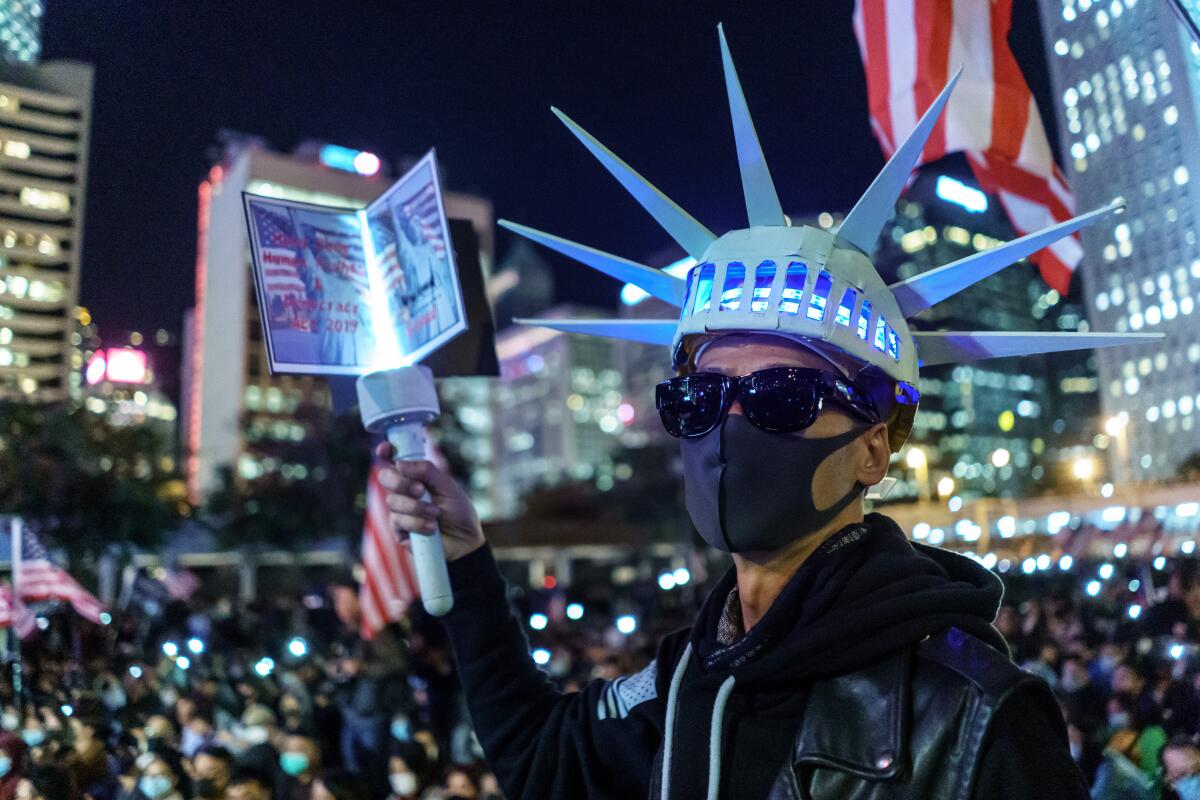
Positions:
(39, 579)
(279, 243)
(14, 614)
(909, 50)
(389, 582)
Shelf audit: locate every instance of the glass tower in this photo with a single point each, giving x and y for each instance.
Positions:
(1125, 83)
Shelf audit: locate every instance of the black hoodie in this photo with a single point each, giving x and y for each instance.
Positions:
(865, 593)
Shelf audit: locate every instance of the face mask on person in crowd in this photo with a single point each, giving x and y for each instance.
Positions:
(293, 763)
(10, 721)
(154, 786)
(33, 737)
(205, 787)
(732, 490)
(190, 742)
(1188, 788)
(255, 735)
(403, 783)
(1118, 720)
(400, 730)
(5, 764)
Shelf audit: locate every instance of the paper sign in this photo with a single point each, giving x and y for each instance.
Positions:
(346, 292)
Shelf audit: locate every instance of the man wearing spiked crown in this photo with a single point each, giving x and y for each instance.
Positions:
(836, 659)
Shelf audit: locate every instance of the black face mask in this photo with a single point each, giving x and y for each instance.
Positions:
(205, 787)
(747, 489)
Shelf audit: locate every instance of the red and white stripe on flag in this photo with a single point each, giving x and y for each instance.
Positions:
(14, 614)
(909, 50)
(41, 580)
(389, 582)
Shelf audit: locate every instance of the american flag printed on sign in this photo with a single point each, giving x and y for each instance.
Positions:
(425, 207)
(389, 582)
(40, 579)
(280, 259)
(909, 50)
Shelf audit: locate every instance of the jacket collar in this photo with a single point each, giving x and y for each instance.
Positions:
(871, 709)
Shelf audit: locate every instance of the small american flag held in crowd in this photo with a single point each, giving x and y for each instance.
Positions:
(37, 578)
(909, 50)
(390, 583)
(14, 613)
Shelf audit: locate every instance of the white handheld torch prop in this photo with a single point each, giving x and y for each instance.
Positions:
(399, 403)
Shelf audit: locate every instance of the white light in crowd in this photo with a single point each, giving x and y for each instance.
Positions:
(1120, 549)
(1057, 521)
(1093, 588)
(1106, 490)
(1176, 651)
(1135, 611)
(1065, 562)
(1187, 509)
(538, 621)
(1043, 562)
(1160, 563)
(135, 671)
(43, 623)
(989, 560)
(1113, 514)
(1106, 571)
(1188, 547)
(666, 581)
(920, 530)
(682, 576)
(937, 536)
(1029, 565)
(183, 662)
(298, 647)
(1004, 565)
(1007, 526)
(945, 486)
(1113, 426)
(1084, 468)
(957, 192)
(105, 618)
(264, 666)
(955, 503)
(627, 624)
(541, 656)
(170, 649)
(574, 610)
(66, 710)
(1000, 457)
(195, 645)
(1134, 585)
(366, 163)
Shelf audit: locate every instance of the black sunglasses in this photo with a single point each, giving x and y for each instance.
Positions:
(780, 400)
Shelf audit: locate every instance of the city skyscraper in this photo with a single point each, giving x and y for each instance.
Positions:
(21, 31)
(1126, 88)
(45, 116)
(231, 404)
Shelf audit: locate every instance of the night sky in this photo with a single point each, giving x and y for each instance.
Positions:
(476, 81)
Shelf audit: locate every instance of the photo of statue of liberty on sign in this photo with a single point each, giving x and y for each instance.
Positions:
(351, 291)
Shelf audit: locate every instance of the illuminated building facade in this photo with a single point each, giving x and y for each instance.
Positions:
(230, 401)
(45, 115)
(1125, 83)
(21, 31)
(557, 414)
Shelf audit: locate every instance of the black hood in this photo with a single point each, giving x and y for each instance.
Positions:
(866, 592)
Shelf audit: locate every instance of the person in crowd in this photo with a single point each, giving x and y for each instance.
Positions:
(258, 739)
(159, 779)
(47, 782)
(1181, 767)
(459, 783)
(88, 762)
(405, 773)
(299, 763)
(212, 768)
(246, 784)
(14, 756)
(339, 784)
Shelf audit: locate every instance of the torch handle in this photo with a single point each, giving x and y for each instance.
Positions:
(429, 557)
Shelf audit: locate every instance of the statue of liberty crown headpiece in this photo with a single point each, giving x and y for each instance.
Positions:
(807, 283)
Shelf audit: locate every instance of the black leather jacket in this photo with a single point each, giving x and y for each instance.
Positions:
(910, 726)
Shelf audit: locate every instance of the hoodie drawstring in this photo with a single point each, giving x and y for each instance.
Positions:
(714, 737)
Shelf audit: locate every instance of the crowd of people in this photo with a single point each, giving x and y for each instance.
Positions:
(281, 699)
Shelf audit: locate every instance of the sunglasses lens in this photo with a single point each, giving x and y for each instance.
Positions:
(781, 400)
(690, 405)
